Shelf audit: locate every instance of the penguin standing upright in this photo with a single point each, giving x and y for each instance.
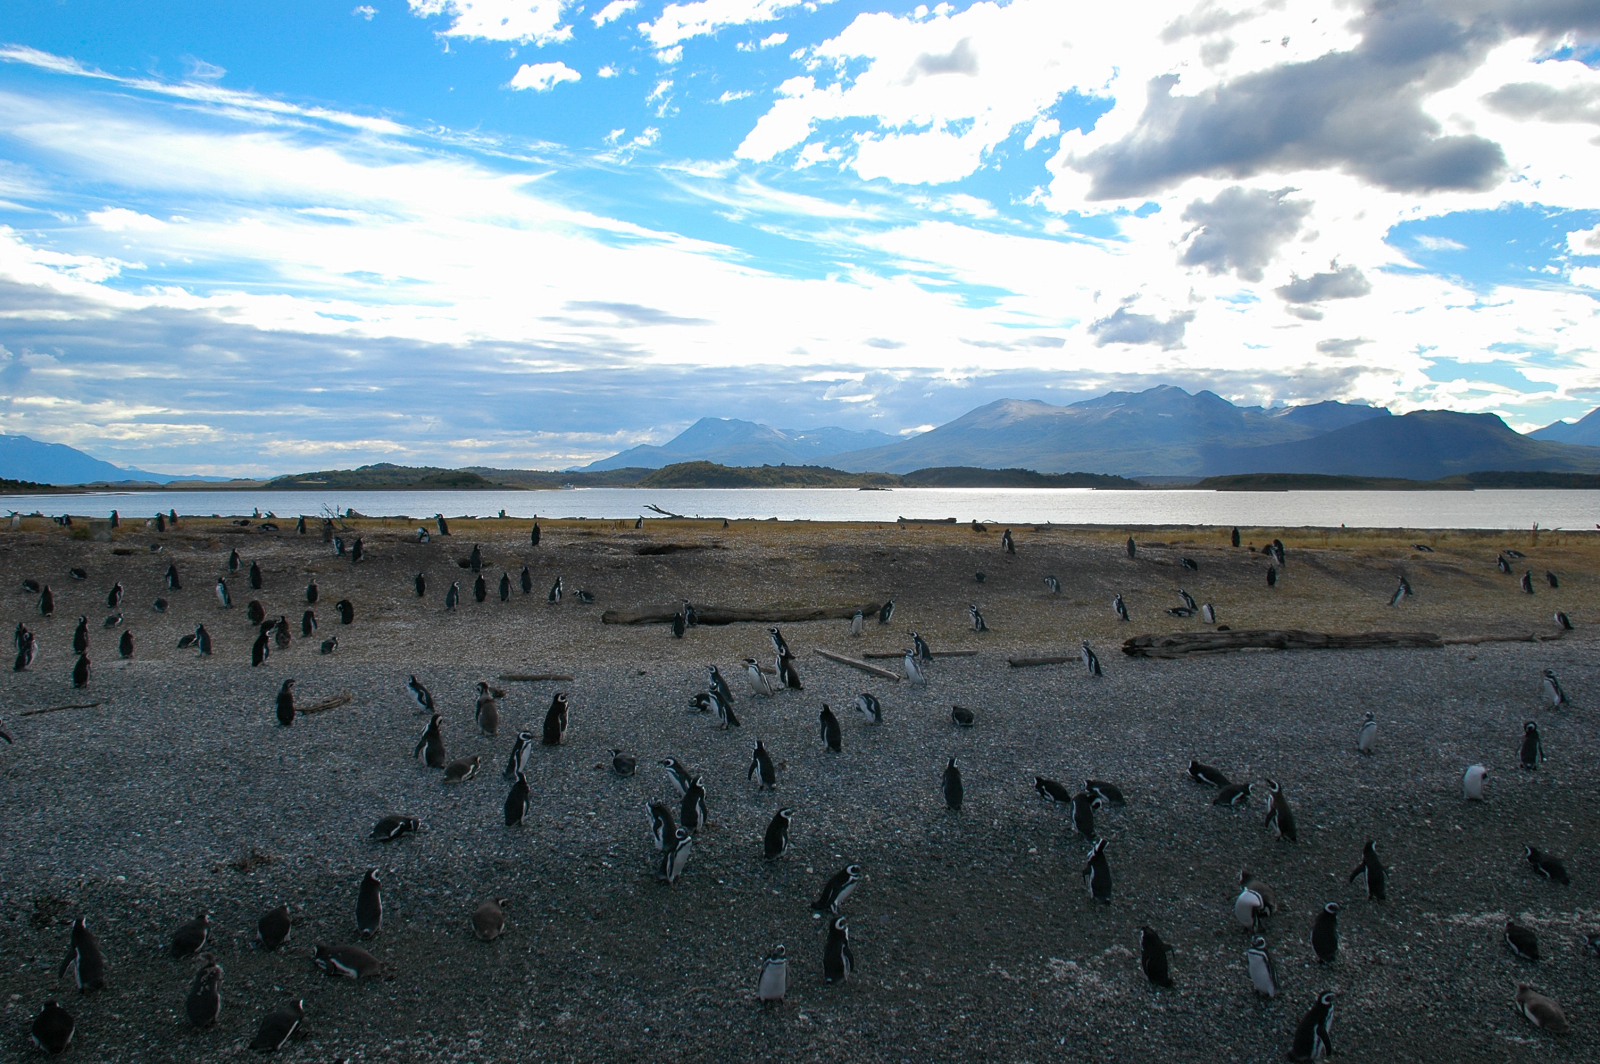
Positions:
(431, 746)
(977, 618)
(505, 587)
(526, 581)
(761, 761)
(1325, 933)
(452, 598)
(837, 960)
(870, 708)
(676, 857)
(480, 589)
(1153, 957)
(1091, 660)
(1472, 783)
(1008, 544)
(261, 650)
(1084, 805)
(886, 612)
(776, 843)
(1133, 548)
(125, 644)
(663, 829)
(1097, 871)
(920, 645)
(443, 525)
(950, 783)
(1119, 607)
(840, 886)
(831, 733)
(1236, 537)
(774, 983)
(716, 683)
(555, 721)
(347, 611)
(758, 679)
(47, 602)
(692, 811)
(286, 703)
(487, 710)
(233, 561)
(52, 1029)
(84, 959)
(173, 583)
(255, 576)
(420, 583)
(114, 596)
(1367, 737)
(1372, 869)
(80, 637)
(274, 926)
(857, 624)
(914, 674)
(369, 905)
(475, 559)
(80, 671)
(555, 591)
(1263, 972)
(1279, 817)
(204, 1003)
(278, 1026)
(1311, 1038)
(1272, 576)
(517, 801)
(534, 535)
(1532, 749)
(1527, 582)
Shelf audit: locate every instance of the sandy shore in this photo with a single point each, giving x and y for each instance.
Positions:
(973, 934)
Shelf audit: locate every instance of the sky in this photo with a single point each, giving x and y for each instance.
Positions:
(256, 238)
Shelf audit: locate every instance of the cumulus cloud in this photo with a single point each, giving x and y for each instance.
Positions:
(1241, 229)
(1578, 103)
(523, 21)
(541, 77)
(1584, 241)
(680, 22)
(613, 11)
(1344, 282)
(1123, 327)
(1340, 348)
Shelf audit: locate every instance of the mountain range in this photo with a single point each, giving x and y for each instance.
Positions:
(24, 458)
(731, 442)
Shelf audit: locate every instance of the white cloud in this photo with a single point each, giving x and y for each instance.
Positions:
(523, 21)
(669, 56)
(773, 40)
(614, 10)
(729, 96)
(680, 22)
(120, 219)
(541, 77)
(1584, 241)
(607, 71)
(366, 11)
(1439, 243)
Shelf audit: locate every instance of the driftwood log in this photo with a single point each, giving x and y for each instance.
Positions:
(340, 699)
(856, 663)
(1178, 644)
(723, 615)
(937, 653)
(535, 677)
(57, 709)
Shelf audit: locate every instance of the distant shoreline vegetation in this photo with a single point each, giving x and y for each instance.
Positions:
(388, 477)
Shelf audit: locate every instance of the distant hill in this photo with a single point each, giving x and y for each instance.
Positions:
(730, 442)
(24, 458)
(711, 475)
(1585, 431)
(1329, 415)
(1163, 431)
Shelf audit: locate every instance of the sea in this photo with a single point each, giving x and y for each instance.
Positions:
(1482, 509)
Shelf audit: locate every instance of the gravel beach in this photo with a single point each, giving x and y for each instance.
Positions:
(973, 935)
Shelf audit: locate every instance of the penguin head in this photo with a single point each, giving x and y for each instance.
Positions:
(1530, 728)
(777, 953)
(1259, 942)
(1332, 908)
(1272, 785)
(839, 925)
(1326, 998)
(787, 814)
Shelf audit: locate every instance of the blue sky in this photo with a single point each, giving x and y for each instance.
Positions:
(259, 238)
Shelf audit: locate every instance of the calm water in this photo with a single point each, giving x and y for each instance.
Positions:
(1376, 509)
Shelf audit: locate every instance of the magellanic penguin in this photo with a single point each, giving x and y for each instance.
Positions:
(234, 562)
(52, 1028)
(692, 808)
(1563, 621)
(1543, 1012)
(1311, 1038)
(962, 717)
(1008, 544)
(773, 985)
(443, 525)
(308, 624)
(857, 624)
(1247, 909)
(1552, 690)
(676, 857)
(1119, 607)
(1532, 750)
(420, 694)
(1153, 957)
(663, 829)
(776, 843)
(80, 671)
(838, 888)
(976, 618)
(950, 784)
(329, 645)
(1188, 599)
(678, 774)
(920, 645)
(761, 761)
(347, 962)
(125, 645)
(475, 559)
(255, 576)
(261, 650)
(274, 926)
(487, 710)
(80, 637)
(1208, 613)
(1202, 773)
(534, 535)
(679, 625)
(1272, 576)
(1235, 537)
(1097, 873)
(1527, 582)
(1084, 805)
(1550, 578)
(505, 587)
(716, 683)
(623, 765)
(204, 1003)
(788, 675)
(420, 584)
(191, 936)
(831, 733)
(837, 961)
(1233, 795)
(1472, 782)
(462, 769)
(369, 905)
(1053, 584)
(1133, 548)
(1269, 897)
(555, 721)
(1052, 791)
(173, 583)
(517, 801)
(347, 611)
(1372, 868)
(1367, 736)
(1263, 972)
(489, 920)
(1325, 933)
(114, 596)
(555, 592)
(758, 679)
(480, 589)
(1503, 565)
(886, 612)
(1400, 592)
(1279, 816)
(914, 673)
(1548, 865)
(202, 640)
(84, 958)
(1091, 660)
(1522, 941)
(224, 599)
(393, 827)
(431, 746)
(521, 751)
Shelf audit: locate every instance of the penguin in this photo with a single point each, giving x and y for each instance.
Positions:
(719, 685)
(27, 647)
(224, 599)
(1097, 871)
(1544, 1013)
(777, 838)
(191, 936)
(52, 1029)
(788, 675)
(780, 646)
(1522, 941)
(870, 708)
(1552, 690)
(663, 830)
(1133, 548)
(837, 960)
(1084, 805)
(84, 958)
(950, 784)
(505, 587)
(329, 645)
(1207, 775)
(1091, 660)
(1233, 795)
(623, 765)
(534, 535)
(347, 962)
(773, 985)
(676, 857)
(886, 612)
(312, 591)
(486, 711)
(1399, 593)
(475, 559)
(255, 613)
(1007, 544)
(1563, 621)
(555, 721)
(347, 611)
(1053, 584)
(202, 640)
(555, 591)
(831, 735)
(1051, 791)
(679, 625)
(976, 618)
(678, 775)
(80, 637)
(920, 645)
(125, 645)
(1279, 816)
(204, 1003)
(856, 624)
(1311, 1038)
(1269, 897)
(1153, 957)
(1532, 750)
(1505, 566)
(369, 905)
(47, 602)
(233, 561)
(462, 769)
(1208, 613)
(419, 694)
(1188, 599)
(452, 598)
(308, 623)
(1527, 582)
(1373, 870)
(837, 889)
(1235, 537)
(914, 673)
(962, 717)
(480, 589)
(692, 618)
(261, 650)
(1550, 578)
(1367, 736)
(114, 596)
(80, 671)
(160, 605)
(1277, 554)
(761, 761)
(255, 577)
(1119, 607)
(280, 632)
(1108, 793)
(1548, 865)
(432, 742)
(393, 826)
(1263, 972)
(517, 801)
(692, 812)
(274, 926)
(489, 920)
(1325, 933)
(1247, 909)
(1272, 576)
